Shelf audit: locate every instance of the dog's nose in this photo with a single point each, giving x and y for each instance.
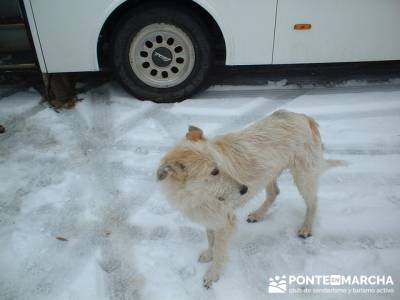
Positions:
(243, 189)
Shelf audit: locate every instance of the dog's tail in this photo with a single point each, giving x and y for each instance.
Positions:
(327, 163)
(333, 163)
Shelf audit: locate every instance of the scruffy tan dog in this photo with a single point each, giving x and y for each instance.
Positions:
(207, 179)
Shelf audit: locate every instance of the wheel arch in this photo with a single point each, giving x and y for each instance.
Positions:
(118, 9)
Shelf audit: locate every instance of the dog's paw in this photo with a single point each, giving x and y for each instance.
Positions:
(254, 217)
(210, 277)
(304, 232)
(206, 256)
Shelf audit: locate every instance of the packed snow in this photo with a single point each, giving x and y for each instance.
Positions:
(82, 216)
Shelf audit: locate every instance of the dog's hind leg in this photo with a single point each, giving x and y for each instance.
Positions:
(307, 184)
(220, 251)
(207, 255)
(272, 191)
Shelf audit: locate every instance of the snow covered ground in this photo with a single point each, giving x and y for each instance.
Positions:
(82, 216)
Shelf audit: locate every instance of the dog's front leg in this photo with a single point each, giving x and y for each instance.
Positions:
(219, 251)
(207, 255)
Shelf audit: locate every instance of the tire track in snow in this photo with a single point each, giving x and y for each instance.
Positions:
(117, 250)
(387, 150)
(109, 206)
(262, 110)
(229, 118)
(251, 92)
(351, 115)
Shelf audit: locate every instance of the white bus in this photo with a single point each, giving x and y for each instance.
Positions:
(165, 50)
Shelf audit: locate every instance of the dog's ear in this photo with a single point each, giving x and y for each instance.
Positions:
(170, 168)
(195, 134)
(164, 170)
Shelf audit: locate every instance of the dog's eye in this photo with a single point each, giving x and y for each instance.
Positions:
(215, 172)
(181, 166)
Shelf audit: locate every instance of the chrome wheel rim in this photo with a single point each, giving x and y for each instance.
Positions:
(161, 55)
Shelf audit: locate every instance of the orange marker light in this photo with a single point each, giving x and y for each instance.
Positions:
(302, 26)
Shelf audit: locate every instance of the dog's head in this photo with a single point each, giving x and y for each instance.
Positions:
(190, 165)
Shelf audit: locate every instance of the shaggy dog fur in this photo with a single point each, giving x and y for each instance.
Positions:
(207, 179)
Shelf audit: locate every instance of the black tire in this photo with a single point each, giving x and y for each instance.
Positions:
(186, 21)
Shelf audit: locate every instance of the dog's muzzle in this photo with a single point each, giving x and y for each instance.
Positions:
(243, 189)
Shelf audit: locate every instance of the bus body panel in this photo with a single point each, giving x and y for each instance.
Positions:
(341, 31)
(248, 28)
(68, 31)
